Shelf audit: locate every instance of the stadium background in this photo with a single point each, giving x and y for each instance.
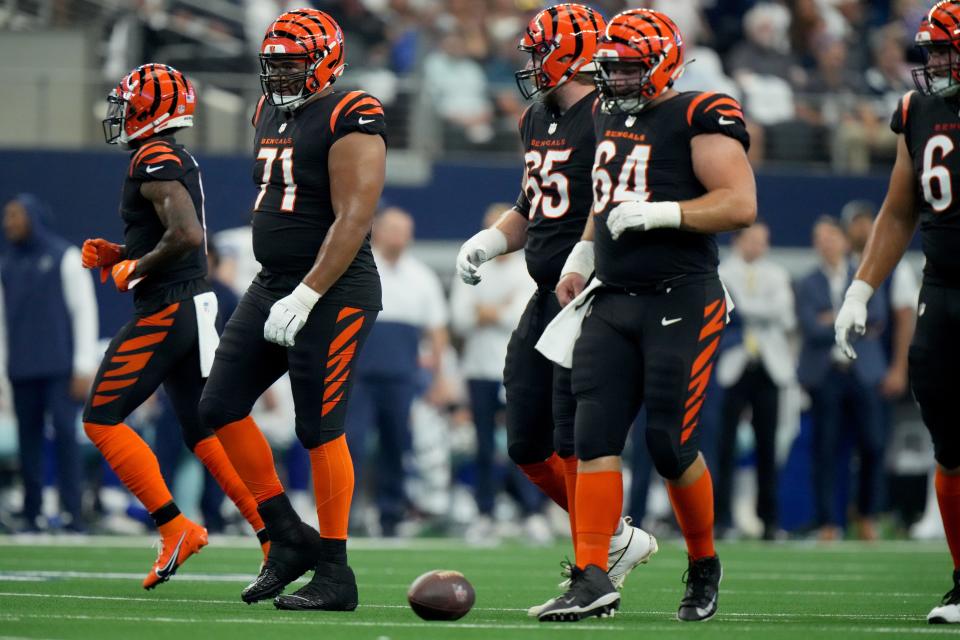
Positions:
(841, 65)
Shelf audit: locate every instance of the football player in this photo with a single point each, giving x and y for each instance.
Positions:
(921, 192)
(320, 164)
(546, 222)
(670, 171)
(171, 338)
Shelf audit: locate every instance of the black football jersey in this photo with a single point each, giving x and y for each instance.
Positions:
(293, 210)
(556, 195)
(931, 127)
(161, 158)
(647, 157)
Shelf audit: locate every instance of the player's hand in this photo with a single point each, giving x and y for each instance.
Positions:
(122, 273)
(894, 384)
(97, 252)
(643, 216)
(288, 315)
(484, 246)
(569, 287)
(852, 316)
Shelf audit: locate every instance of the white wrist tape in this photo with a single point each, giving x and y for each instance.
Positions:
(663, 215)
(580, 259)
(859, 291)
(492, 241)
(305, 296)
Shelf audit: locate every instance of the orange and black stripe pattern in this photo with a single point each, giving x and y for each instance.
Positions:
(942, 23)
(154, 153)
(310, 33)
(714, 319)
(710, 101)
(564, 38)
(355, 101)
(343, 349)
(154, 91)
(132, 356)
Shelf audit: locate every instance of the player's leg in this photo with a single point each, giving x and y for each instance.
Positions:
(765, 415)
(871, 436)
(933, 356)
(28, 406)
(63, 411)
(321, 364)
(136, 362)
(564, 419)
(606, 379)
(244, 367)
(527, 379)
(678, 362)
(184, 386)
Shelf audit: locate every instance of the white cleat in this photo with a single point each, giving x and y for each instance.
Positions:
(948, 612)
(631, 548)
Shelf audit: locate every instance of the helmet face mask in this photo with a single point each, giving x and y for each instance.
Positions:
(115, 122)
(284, 77)
(624, 85)
(940, 74)
(533, 81)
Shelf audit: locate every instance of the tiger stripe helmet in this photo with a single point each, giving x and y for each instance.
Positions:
(640, 56)
(150, 99)
(561, 41)
(939, 32)
(302, 54)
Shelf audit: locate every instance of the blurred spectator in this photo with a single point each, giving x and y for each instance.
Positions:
(387, 373)
(485, 316)
(757, 364)
(903, 293)
(843, 393)
(766, 49)
(457, 87)
(51, 320)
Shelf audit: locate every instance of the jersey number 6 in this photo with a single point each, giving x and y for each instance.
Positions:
(269, 154)
(940, 200)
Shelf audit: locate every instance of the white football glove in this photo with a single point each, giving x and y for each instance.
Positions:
(486, 245)
(852, 316)
(643, 216)
(288, 315)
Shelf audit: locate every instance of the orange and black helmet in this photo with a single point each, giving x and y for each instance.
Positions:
(639, 57)
(150, 99)
(302, 54)
(939, 37)
(561, 41)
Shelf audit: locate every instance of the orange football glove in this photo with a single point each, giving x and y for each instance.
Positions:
(121, 272)
(98, 252)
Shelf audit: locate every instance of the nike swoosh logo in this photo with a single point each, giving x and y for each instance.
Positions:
(726, 121)
(171, 565)
(667, 323)
(152, 169)
(365, 121)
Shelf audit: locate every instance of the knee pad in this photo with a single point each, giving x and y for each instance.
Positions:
(664, 453)
(194, 434)
(529, 452)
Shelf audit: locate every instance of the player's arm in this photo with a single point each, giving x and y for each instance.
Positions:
(578, 266)
(892, 231)
(357, 169)
(509, 234)
(182, 231)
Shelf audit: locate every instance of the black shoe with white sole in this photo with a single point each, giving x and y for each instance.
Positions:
(703, 585)
(948, 612)
(591, 594)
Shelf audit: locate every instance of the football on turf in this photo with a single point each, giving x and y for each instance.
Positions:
(441, 595)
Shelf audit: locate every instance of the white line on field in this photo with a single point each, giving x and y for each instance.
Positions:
(337, 620)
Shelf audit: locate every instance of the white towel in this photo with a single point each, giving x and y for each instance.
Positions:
(209, 340)
(557, 341)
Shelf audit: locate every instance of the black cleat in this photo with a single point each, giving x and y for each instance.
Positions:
(591, 594)
(332, 588)
(948, 612)
(288, 560)
(703, 584)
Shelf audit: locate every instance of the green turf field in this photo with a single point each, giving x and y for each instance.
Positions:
(90, 588)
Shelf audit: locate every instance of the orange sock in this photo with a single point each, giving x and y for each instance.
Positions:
(948, 497)
(174, 526)
(599, 502)
(210, 452)
(570, 481)
(333, 486)
(693, 507)
(549, 475)
(251, 457)
(133, 462)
